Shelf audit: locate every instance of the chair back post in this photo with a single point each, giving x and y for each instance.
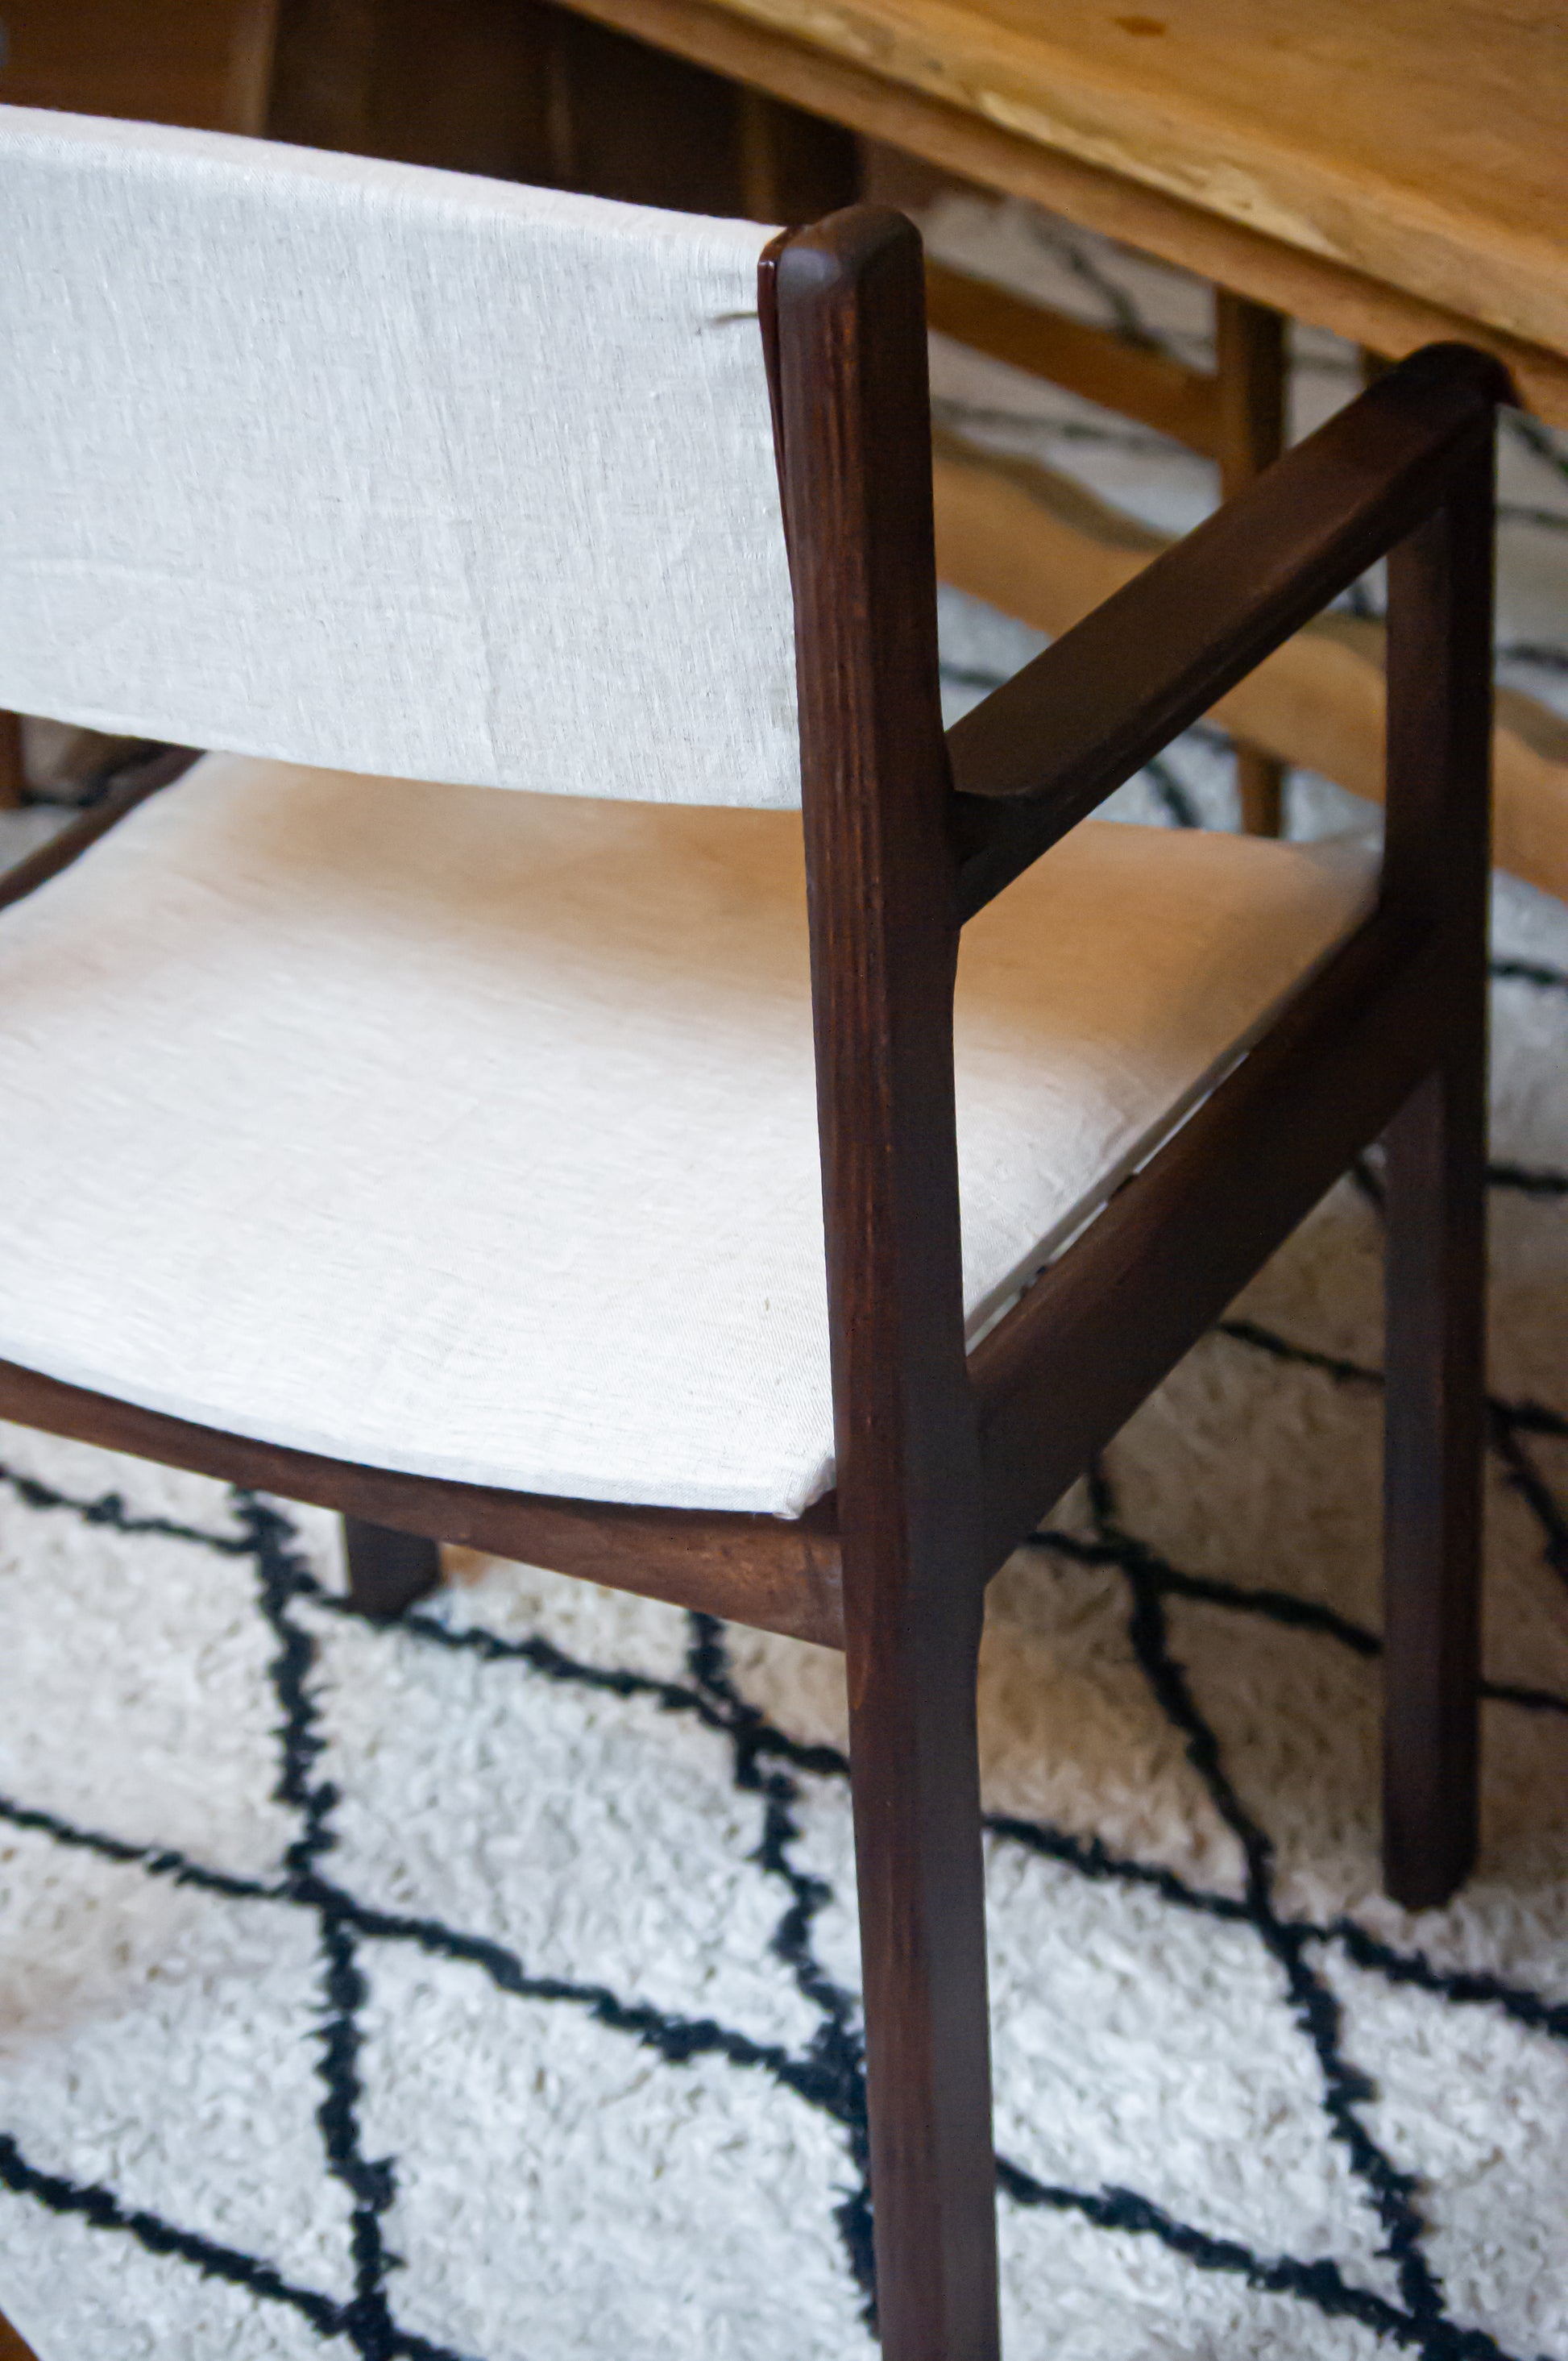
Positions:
(1438, 835)
(880, 869)
(854, 419)
(1437, 877)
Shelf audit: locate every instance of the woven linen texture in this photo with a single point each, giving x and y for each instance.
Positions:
(476, 1135)
(394, 471)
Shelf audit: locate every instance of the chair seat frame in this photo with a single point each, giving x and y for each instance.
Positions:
(947, 1459)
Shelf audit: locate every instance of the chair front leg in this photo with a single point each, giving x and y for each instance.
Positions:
(1435, 872)
(916, 1776)
(388, 1571)
(1434, 1438)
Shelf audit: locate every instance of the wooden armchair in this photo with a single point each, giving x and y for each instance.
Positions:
(1151, 1057)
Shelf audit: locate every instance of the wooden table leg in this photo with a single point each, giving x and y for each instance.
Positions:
(13, 777)
(793, 167)
(1249, 357)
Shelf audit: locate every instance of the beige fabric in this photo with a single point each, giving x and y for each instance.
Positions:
(358, 463)
(476, 1134)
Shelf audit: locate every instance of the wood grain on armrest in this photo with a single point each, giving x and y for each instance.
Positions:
(1052, 742)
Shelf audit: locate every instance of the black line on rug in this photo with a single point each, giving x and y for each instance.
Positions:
(678, 2039)
(675, 2038)
(1282, 1606)
(1316, 2283)
(158, 1861)
(1531, 972)
(1286, 1608)
(1171, 793)
(1527, 1179)
(1531, 1417)
(1538, 440)
(1316, 2010)
(104, 2211)
(1120, 307)
(543, 1656)
(1524, 1477)
(101, 2209)
(1089, 1858)
(370, 2181)
(109, 1509)
(1320, 2283)
(836, 2050)
(956, 676)
(947, 409)
(1529, 513)
(1506, 1422)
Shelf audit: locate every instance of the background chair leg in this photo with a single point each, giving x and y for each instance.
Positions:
(917, 1842)
(1250, 364)
(388, 1570)
(1260, 792)
(1434, 1436)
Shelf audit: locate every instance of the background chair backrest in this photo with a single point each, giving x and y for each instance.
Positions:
(364, 465)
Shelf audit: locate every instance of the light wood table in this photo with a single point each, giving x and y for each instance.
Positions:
(1394, 169)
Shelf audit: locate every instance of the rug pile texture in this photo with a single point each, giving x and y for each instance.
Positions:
(486, 1985)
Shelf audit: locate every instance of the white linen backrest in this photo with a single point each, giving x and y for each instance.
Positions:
(365, 465)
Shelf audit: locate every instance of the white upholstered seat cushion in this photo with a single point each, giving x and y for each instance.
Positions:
(475, 1133)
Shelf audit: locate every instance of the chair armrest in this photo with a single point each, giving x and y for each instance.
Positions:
(1052, 742)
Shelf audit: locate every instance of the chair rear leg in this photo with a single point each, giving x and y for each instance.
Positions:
(1434, 1441)
(916, 1776)
(388, 1570)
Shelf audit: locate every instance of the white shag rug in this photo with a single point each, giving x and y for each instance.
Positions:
(486, 1985)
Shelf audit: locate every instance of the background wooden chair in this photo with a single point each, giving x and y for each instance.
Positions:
(384, 472)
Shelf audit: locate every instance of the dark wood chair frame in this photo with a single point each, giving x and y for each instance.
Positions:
(947, 1459)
